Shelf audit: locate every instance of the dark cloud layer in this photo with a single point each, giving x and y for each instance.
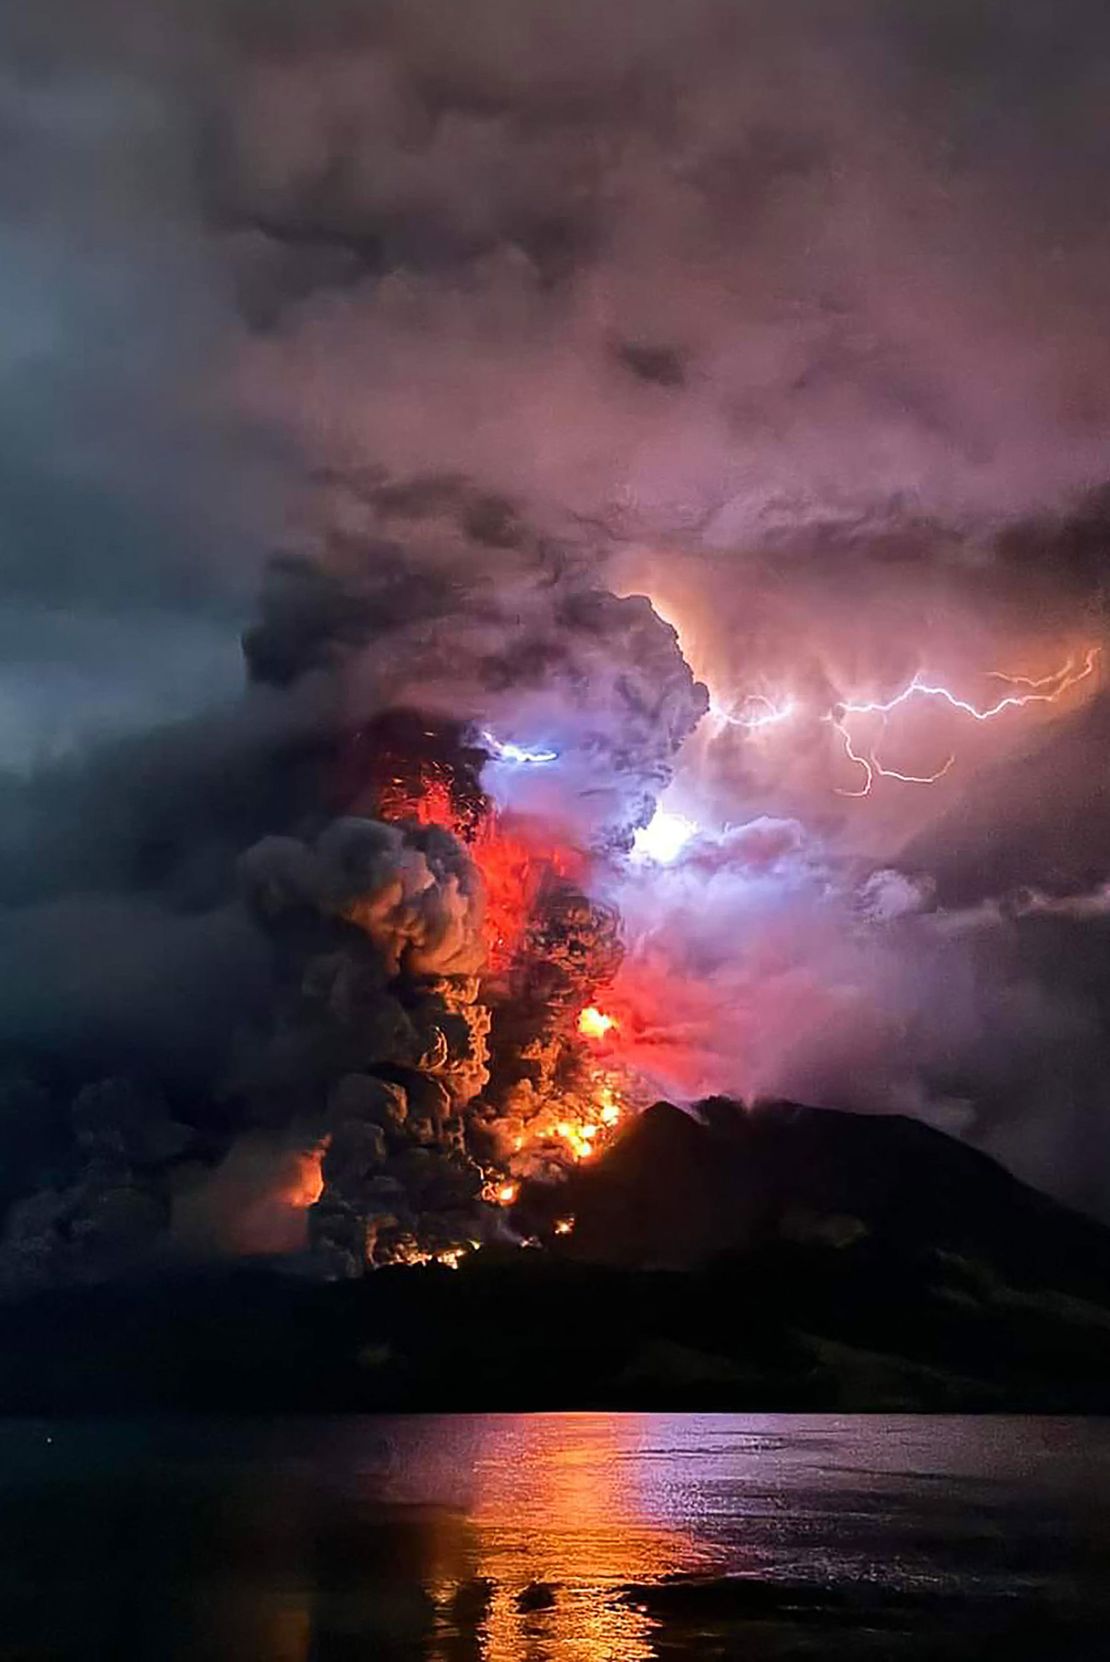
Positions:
(791, 316)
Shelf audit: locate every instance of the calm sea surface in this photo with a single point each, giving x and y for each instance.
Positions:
(554, 1538)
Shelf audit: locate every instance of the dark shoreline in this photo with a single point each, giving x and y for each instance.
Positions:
(529, 1332)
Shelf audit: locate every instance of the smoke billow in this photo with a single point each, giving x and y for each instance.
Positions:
(590, 381)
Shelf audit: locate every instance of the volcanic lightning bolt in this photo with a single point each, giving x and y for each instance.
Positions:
(1059, 682)
(519, 755)
(1045, 690)
(755, 713)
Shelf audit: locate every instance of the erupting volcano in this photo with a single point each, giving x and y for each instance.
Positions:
(446, 943)
(509, 906)
(587, 588)
(478, 892)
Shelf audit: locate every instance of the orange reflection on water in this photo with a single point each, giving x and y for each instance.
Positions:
(557, 1529)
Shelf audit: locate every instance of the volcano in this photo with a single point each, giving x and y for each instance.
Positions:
(683, 1189)
(781, 1258)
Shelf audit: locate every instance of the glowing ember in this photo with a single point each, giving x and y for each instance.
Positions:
(564, 1226)
(506, 1193)
(450, 1257)
(594, 1023)
(515, 862)
(664, 838)
(584, 1130)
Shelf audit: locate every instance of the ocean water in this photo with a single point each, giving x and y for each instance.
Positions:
(554, 1538)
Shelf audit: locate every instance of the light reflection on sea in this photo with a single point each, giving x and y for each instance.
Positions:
(515, 1538)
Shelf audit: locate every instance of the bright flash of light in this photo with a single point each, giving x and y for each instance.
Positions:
(518, 755)
(1045, 690)
(755, 712)
(563, 1226)
(594, 1023)
(664, 838)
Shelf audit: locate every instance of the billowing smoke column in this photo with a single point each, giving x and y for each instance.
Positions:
(438, 943)
(379, 1043)
(439, 950)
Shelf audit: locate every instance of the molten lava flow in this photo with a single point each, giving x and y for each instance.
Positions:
(594, 1023)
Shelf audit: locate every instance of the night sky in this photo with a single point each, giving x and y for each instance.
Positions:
(384, 331)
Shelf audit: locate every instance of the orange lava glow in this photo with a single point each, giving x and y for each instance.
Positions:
(501, 1194)
(305, 1184)
(450, 1258)
(575, 1127)
(427, 800)
(515, 859)
(594, 1023)
(514, 854)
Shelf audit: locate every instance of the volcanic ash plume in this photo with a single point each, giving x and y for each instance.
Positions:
(474, 890)
(437, 957)
(378, 1040)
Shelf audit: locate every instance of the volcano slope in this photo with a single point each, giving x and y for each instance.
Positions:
(775, 1258)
